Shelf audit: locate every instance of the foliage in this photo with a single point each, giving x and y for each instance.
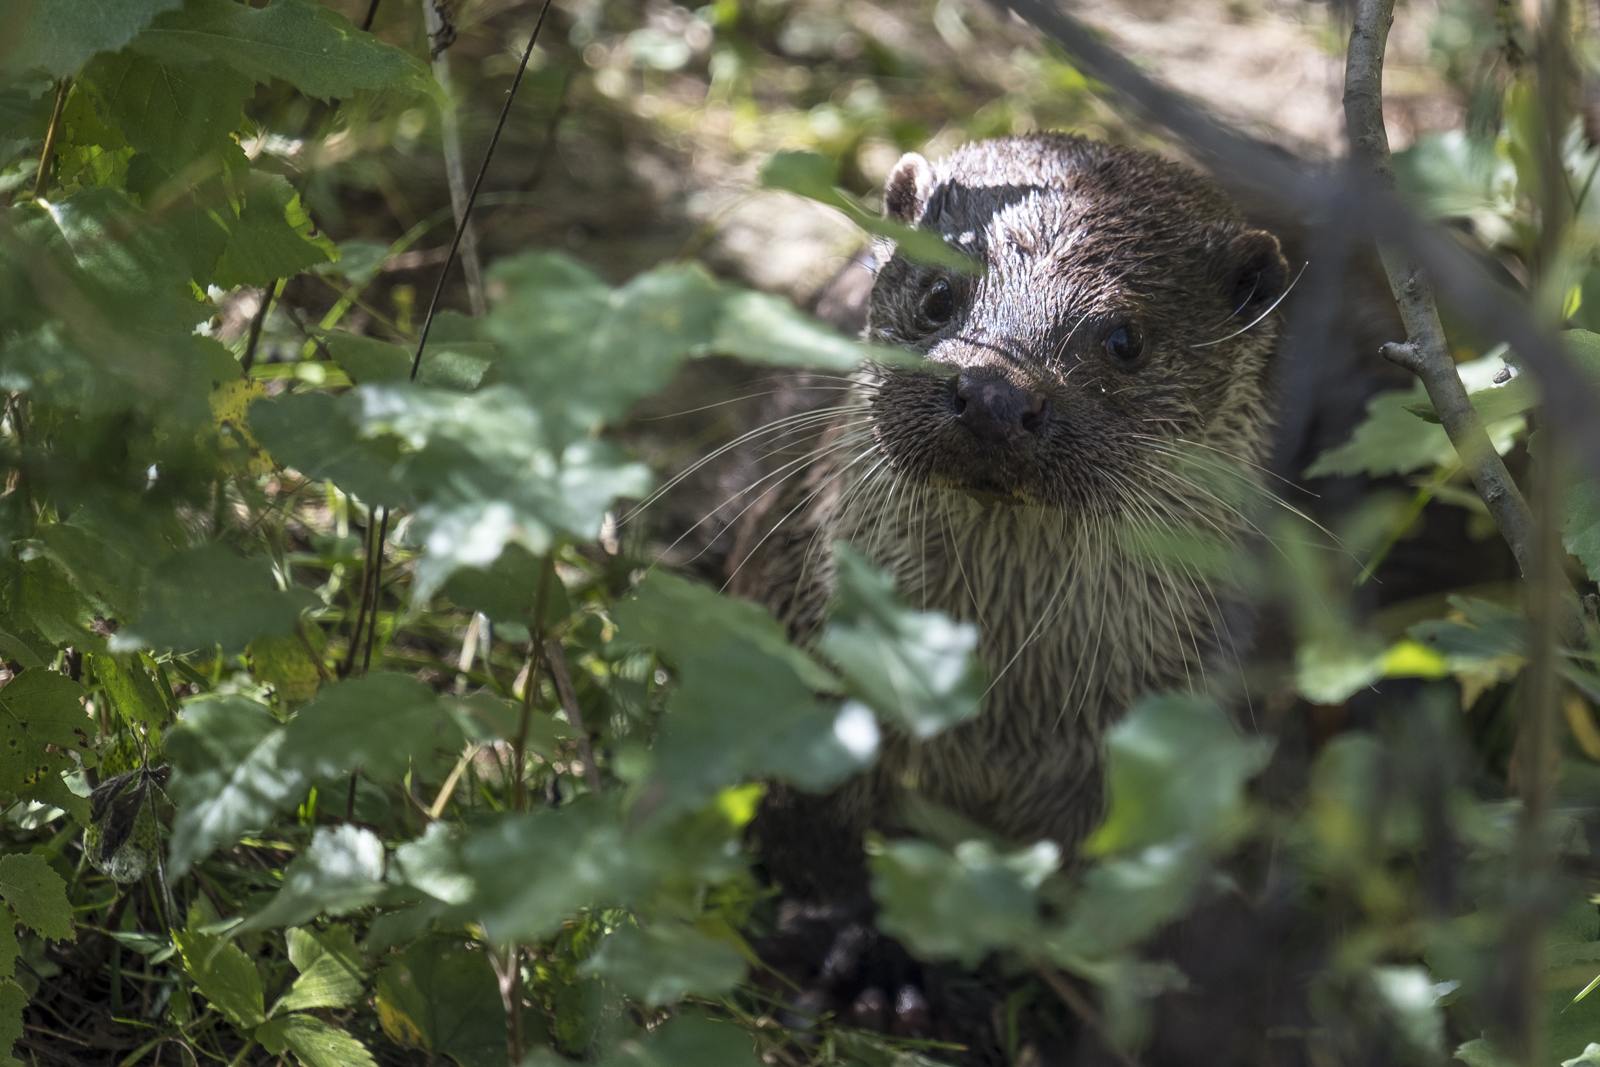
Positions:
(374, 743)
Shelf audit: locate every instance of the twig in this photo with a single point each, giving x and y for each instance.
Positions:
(450, 134)
(41, 181)
(372, 13)
(508, 975)
(519, 744)
(466, 215)
(1082, 1009)
(258, 320)
(557, 659)
(377, 586)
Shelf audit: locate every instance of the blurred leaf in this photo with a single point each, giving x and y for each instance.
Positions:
(176, 114)
(272, 237)
(209, 595)
(379, 723)
(227, 777)
(1391, 440)
(9, 949)
(314, 1042)
(1580, 527)
(101, 572)
(369, 360)
(131, 691)
(665, 962)
(284, 664)
(916, 668)
(13, 998)
(507, 589)
(41, 724)
(223, 974)
(964, 905)
(318, 435)
(1410, 998)
(760, 328)
(716, 732)
(442, 997)
(1589, 1057)
(340, 870)
(687, 1041)
(316, 49)
(37, 895)
(58, 37)
(816, 177)
(1177, 768)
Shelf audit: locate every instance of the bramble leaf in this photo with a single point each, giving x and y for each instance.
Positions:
(37, 895)
(58, 37)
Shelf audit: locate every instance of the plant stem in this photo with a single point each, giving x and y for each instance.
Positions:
(1082, 1009)
(519, 744)
(257, 320)
(377, 587)
(466, 214)
(508, 973)
(41, 181)
(557, 659)
(1426, 353)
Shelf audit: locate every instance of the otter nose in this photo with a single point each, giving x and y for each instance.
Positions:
(994, 409)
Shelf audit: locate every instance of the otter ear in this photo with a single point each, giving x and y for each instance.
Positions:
(905, 194)
(1258, 271)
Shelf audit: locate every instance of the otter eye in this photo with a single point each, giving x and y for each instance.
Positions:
(1125, 344)
(938, 304)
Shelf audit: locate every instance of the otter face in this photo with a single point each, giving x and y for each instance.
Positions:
(1096, 341)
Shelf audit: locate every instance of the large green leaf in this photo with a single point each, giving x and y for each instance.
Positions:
(227, 776)
(379, 723)
(223, 974)
(59, 35)
(209, 595)
(742, 706)
(314, 1043)
(177, 114)
(690, 1040)
(41, 723)
(315, 49)
(915, 668)
(665, 962)
(37, 895)
(441, 996)
(964, 905)
(272, 237)
(341, 869)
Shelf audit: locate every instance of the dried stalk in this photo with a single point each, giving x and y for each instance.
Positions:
(557, 659)
(41, 181)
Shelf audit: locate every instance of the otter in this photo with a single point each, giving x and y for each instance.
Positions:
(1081, 390)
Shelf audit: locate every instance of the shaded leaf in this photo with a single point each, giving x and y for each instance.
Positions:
(440, 996)
(315, 1043)
(223, 974)
(379, 723)
(37, 895)
(209, 595)
(58, 37)
(665, 962)
(175, 113)
(40, 708)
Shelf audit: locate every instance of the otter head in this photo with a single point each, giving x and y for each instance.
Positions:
(1123, 311)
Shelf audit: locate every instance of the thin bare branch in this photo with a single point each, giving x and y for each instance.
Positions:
(466, 215)
(557, 659)
(41, 181)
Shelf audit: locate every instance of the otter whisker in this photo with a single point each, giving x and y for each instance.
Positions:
(1257, 320)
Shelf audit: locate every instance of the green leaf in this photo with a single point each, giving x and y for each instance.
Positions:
(314, 1042)
(1589, 1057)
(59, 36)
(815, 177)
(9, 949)
(690, 1040)
(13, 998)
(132, 692)
(665, 962)
(226, 776)
(177, 114)
(379, 723)
(223, 974)
(761, 328)
(1480, 1053)
(284, 664)
(716, 732)
(508, 588)
(367, 360)
(443, 997)
(916, 668)
(40, 708)
(319, 436)
(209, 595)
(37, 895)
(964, 905)
(105, 576)
(1177, 768)
(1580, 527)
(315, 49)
(340, 870)
(327, 979)
(1391, 440)
(272, 237)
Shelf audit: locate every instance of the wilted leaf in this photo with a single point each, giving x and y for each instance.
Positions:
(40, 708)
